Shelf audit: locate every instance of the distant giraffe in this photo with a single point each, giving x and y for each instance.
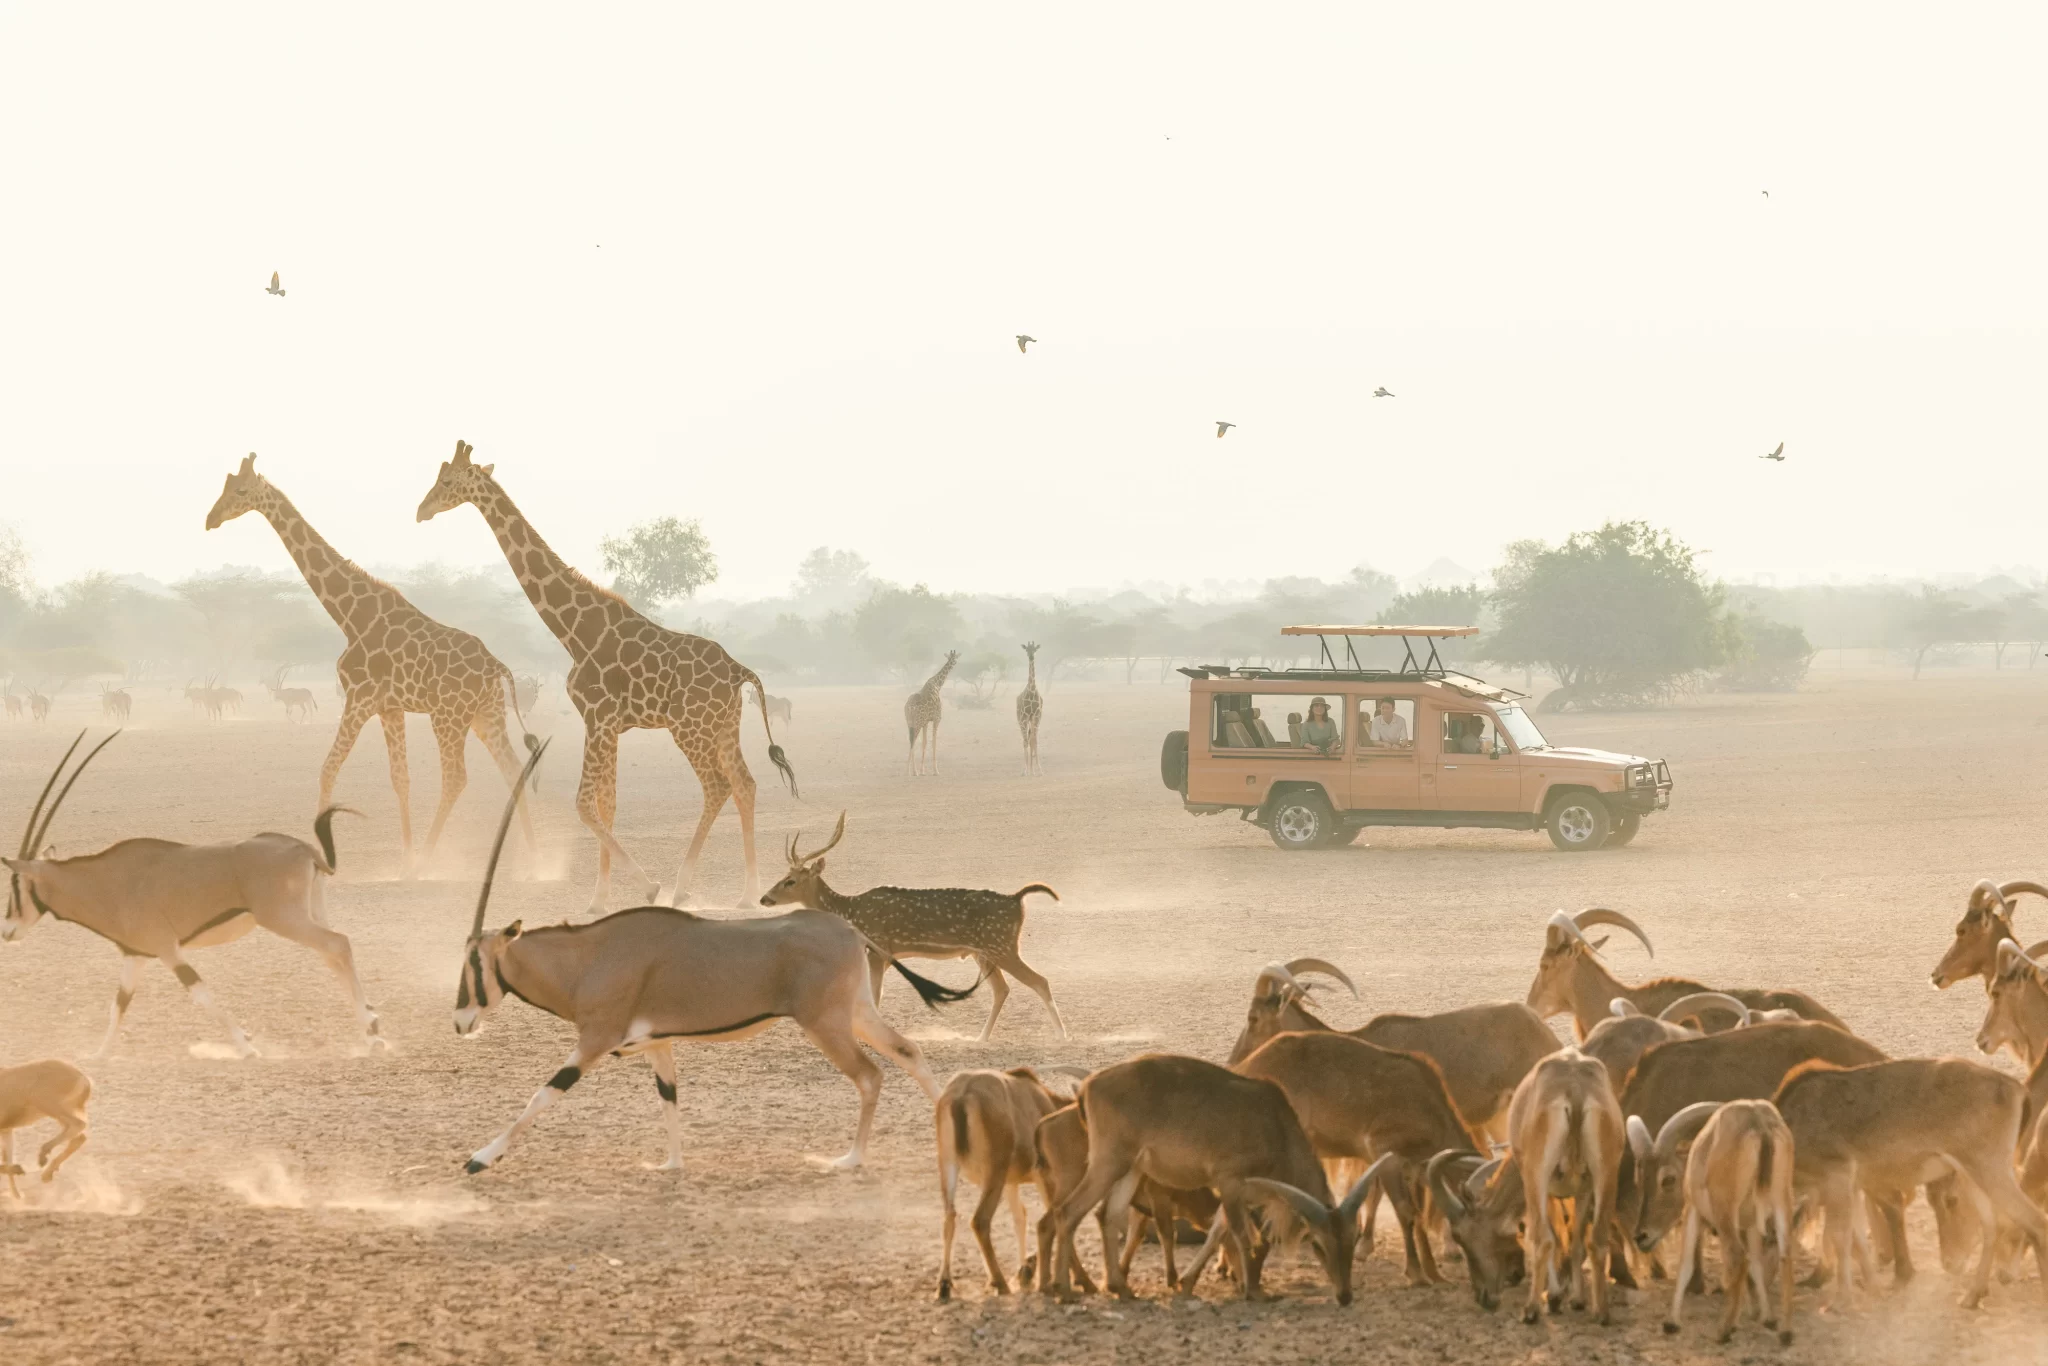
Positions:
(625, 673)
(921, 716)
(1030, 707)
(398, 660)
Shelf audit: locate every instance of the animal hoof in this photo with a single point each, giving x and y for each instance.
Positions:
(848, 1163)
(472, 1167)
(1532, 1315)
(1724, 1336)
(945, 1291)
(1785, 1338)
(1670, 1327)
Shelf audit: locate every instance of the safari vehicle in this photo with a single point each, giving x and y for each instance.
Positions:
(1418, 744)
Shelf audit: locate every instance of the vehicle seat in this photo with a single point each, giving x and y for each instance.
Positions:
(1235, 736)
(1294, 729)
(1265, 733)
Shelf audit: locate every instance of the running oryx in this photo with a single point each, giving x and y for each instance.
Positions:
(156, 898)
(640, 980)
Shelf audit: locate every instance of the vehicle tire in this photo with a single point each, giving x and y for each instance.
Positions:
(1625, 829)
(1346, 834)
(1173, 761)
(1301, 820)
(1578, 822)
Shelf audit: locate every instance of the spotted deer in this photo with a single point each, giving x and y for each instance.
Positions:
(924, 922)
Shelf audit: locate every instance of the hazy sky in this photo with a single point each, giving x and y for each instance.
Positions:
(761, 265)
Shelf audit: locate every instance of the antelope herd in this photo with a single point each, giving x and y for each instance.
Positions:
(1680, 1108)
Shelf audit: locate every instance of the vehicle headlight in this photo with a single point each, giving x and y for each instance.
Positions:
(1641, 775)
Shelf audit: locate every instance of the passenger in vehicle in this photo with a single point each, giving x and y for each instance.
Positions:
(1467, 735)
(1319, 731)
(1389, 730)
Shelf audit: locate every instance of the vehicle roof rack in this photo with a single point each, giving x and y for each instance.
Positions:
(1430, 666)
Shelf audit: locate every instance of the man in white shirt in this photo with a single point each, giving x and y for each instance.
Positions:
(1388, 728)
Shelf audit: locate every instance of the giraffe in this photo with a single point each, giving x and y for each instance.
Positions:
(398, 660)
(921, 716)
(1030, 707)
(625, 673)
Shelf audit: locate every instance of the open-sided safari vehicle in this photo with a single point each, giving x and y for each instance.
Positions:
(1417, 744)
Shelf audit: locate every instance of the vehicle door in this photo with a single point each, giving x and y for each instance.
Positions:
(1385, 770)
(1257, 739)
(1476, 769)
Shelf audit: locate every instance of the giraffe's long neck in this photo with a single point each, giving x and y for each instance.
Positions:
(334, 578)
(551, 583)
(938, 680)
(1031, 672)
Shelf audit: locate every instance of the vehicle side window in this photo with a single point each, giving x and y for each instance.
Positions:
(1386, 723)
(1468, 732)
(1278, 721)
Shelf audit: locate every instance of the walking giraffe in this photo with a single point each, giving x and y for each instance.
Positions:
(625, 673)
(1030, 707)
(921, 716)
(398, 660)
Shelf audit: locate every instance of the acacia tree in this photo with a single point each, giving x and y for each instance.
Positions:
(1621, 614)
(660, 561)
(1937, 618)
(907, 629)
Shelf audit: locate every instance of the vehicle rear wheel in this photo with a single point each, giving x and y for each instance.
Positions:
(1578, 822)
(1346, 834)
(1301, 820)
(1624, 830)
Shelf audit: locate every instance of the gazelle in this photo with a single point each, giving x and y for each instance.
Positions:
(155, 898)
(924, 922)
(36, 1091)
(641, 980)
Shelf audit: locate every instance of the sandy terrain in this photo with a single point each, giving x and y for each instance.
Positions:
(308, 1205)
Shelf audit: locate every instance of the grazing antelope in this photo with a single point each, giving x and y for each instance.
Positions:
(115, 702)
(155, 898)
(36, 1091)
(641, 980)
(1483, 1212)
(1568, 1132)
(1572, 979)
(1062, 1143)
(298, 700)
(1987, 919)
(924, 922)
(987, 1130)
(1484, 1051)
(1186, 1124)
(777, 708)
(1890, 1126)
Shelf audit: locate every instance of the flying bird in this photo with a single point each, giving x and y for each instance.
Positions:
(1223, 427)
(275, 287)
(1382, 392)
(1767, 194)
(1778, 454)
(1024, 341)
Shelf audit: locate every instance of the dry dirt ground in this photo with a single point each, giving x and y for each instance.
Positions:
(309, 1205)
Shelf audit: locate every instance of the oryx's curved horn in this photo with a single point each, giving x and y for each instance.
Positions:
(837, 834)
(1595, 915)
(483, 896)
(28, 835)
(1325, 967)
(48, 816)
(1691, 1005)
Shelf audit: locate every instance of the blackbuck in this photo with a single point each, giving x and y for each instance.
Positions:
(115, 703)
(924, 922)
(1986, 922)
(1737, 1180)
(1186, 1124)
(646, 979)
(155, 898)
(31, 1093)
(1484, 1051)
(2016, 1008)
(294, 700)
(1572, 980)
(1062, 1144)
(1891, 1126)
(1627, 1034)
(987, 1124)
(1363, 1103)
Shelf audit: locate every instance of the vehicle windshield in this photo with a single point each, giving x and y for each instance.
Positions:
(1519, 727)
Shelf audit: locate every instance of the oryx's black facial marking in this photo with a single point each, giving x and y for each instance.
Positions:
(667, 1088)
(565, 1078)
(185, 974)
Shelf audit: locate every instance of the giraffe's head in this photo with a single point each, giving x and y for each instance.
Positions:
(460, 482)
(242, 492)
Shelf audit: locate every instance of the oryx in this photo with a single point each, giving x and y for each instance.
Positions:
(156, 898)
(642, 980)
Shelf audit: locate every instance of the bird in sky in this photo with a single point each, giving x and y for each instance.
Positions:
(275, 287)
(1767, 194)
(1223, 427)
(1024, 341)
(1778, 454)
(1382, 392)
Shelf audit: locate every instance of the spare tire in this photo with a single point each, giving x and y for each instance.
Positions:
(1173, 761)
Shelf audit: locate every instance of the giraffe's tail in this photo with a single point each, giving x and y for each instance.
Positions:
(532, 743)
(775, 754)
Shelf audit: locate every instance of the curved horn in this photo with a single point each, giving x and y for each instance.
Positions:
(1595, 915)
(1985, 895)
(1280, 974)
(1621, 1007)
(1682, 1126)
(2034, 951)
(837, 835)
(28, 835)
(2008, 950)
(1453, 1203)
(789, 850)
(483, 896)
(1325, 967)
(1066, 1069)
(2008, 890)
(1482, 1175)
(1346, 1213)
(1639, 1140)
(1311, 1210)
(1691, 1005)
(43, 830)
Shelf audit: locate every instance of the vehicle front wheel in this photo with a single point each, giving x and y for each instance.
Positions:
(1346, 834)
(1301, 820)
(1624, 830)
(1578, 822)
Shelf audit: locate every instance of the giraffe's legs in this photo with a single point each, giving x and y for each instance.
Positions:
(450, 732)
(711, 776)
(596, 800)
(355, 714)
(489, 726)
(933, 769)
(401, 781)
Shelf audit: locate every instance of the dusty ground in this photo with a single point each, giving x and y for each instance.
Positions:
(308, 1205)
